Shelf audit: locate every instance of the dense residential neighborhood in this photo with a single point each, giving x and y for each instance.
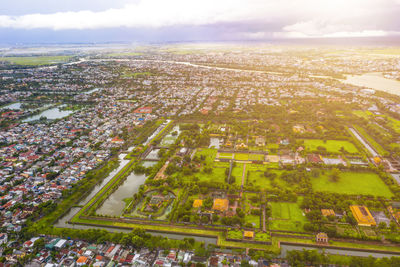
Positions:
(244, 157)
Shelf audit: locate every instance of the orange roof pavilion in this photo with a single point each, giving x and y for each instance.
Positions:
(197, 203)
(220, 204)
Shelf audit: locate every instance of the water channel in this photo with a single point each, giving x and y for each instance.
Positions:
(286, 248)
(114, 204)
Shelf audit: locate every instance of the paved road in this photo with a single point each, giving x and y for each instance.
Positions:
(367, 146)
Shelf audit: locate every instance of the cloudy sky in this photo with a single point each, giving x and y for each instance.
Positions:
(46, 21)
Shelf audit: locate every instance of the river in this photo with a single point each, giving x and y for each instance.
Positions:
(374, 80)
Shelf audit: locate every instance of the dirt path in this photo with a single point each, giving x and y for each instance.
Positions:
(160, 173)
(243, 178)
(263, 219)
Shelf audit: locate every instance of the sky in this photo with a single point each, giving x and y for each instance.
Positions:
(80, 21)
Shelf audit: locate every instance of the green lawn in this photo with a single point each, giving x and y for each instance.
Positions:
(136, 74)
(363, 114)
(355, 183)
(259, 157)
(258, 180)
(209, 153)
(225, 155)
(235, 234)
(217, 175)
(287, 216)
(237, 173)
(394, 124)
(36, 61)
(332, 146)
(241, 156)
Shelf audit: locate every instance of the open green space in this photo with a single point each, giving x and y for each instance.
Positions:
(354, 183)
(331, 146)
(241, 156)
(393, 123)
(136, 74)
(258, 157)
(237, 172)
(258, 180)
(363, 114)
(36, 61)
(208, 153)
(286, 216)
(223, 155)
(234, 234)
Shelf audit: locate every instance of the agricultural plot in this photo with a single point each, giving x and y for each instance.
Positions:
(331, 146)
(355, 183)
(286, 216)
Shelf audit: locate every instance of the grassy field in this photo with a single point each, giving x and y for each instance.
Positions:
(209, 153)
(258, 180)
(241, 156)
(332, 146)
(225, 155)
(235, 234)
(36, 61)
(378, 148)
(362, 183)
(394, 124)
(237, 173)
(287, 216)
(136, 74)
(362, 113)
(259, 157)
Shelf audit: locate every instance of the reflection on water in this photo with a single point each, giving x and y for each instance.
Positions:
(215, 142)
(153, 154)
(13, 106)
(170, 139)
(114, 204)
(375, 81)
(51, 114)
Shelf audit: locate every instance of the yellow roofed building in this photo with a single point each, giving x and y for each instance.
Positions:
(197, 203)
(362, 215)
(221, 204)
